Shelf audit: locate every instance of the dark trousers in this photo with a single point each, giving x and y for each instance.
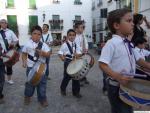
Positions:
(117, 105)
(2, 80)
(8, 70)
(41, 88)
(104, 82)
(47, 65)
(67, 78)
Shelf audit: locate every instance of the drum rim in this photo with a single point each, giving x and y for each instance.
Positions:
(131, 103)
(134, 92)
(68, 71)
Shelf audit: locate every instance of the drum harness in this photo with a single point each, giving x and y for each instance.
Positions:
(36, 55)
(70, 57)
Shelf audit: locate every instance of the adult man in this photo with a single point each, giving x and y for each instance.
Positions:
(10, 41)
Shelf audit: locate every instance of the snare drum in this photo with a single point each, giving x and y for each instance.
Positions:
(136, 93)
(78, 69)
(11, 57)
(36, 73)
(89, 58)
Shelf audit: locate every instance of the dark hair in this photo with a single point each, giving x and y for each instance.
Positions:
(37, 27)
(77, 24)
(46, 25)
(137, 18)
(115, 16)
(70, 30)
(140, 40)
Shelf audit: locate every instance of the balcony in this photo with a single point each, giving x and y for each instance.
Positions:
(94, 28)
(77, 3)
(55, 21)
(76, 21)
(56, 28)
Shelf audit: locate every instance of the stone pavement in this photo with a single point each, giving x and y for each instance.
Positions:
(93, 101)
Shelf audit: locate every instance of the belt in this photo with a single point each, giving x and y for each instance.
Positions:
(113, 82)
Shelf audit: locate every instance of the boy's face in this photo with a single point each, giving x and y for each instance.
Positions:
(45, 29)
(3, 24)
(36, 35)
(142, 46)
(125, 27)
(80, 28)
(71, 36)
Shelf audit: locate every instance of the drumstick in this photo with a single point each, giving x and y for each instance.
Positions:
(134, 75)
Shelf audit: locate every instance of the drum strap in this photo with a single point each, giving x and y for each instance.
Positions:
(4, 39)
(71, 48)
(36, 53)
(46, 38)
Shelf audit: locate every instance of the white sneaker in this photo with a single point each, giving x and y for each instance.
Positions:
(10, 81)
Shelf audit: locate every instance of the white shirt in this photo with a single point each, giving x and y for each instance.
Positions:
(142, 52)
(29, 48)
(64, 50)
(10, 36)
(116, 54)
(45, 36)
(81, 41)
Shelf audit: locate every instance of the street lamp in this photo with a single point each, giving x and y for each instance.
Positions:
(44, 15)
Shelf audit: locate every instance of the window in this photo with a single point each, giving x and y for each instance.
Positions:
(10, 3)
(33, 20)
(12, 23)
(99, 3)
(32, 4)
(78, 18)
(93, 5)
(56, 22)
(103, 13)
(77, 2)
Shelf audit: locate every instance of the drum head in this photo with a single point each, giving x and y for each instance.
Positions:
(75, 66)
(9, 53)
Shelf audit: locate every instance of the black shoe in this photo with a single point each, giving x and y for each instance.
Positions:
(63, 93)
(48, 78)
(87, 82)
(77, 95)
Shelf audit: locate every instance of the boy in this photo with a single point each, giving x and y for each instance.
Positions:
(140, 47)
(47, 38)
(30, 56)
(67, 52)
(81, 41)
(118, 56)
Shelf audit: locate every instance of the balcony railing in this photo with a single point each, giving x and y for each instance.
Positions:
(76, 21)
(56, 21)
(100, 27)
(56, 28)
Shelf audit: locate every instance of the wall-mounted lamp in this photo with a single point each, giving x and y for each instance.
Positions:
(44, 15)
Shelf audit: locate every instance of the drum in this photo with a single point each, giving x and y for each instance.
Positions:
(141, 70)
(36, 73)
(136, 93)
(11, 57)
(89, 58)
(78, 69)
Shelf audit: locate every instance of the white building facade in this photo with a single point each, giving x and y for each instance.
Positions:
(60, 15)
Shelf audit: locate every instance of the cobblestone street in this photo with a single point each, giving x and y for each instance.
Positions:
(93, 100)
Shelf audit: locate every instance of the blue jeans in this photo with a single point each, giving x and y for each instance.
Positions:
(41, 88)
(117, 105)
(47, 66)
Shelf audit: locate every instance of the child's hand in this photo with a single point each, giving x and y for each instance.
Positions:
(124, 80)
(24, 64)
(40, 52)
